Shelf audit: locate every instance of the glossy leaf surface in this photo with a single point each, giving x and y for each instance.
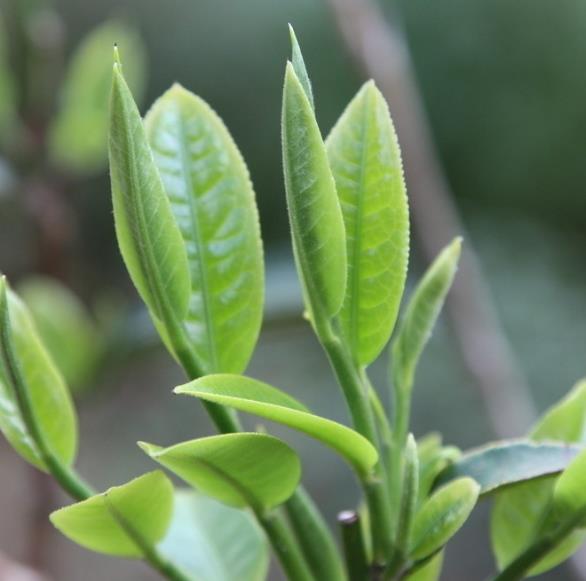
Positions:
(214, 542)
(78, 137)
(65, 326)
(441, 516)
(255, 397)
(241, 469)
(421, 314)
(25, 366)
(315, 216)
(122, 520)
(504, 464)
(519, 513)
(149, 239)
(366, 163)
(211, 196)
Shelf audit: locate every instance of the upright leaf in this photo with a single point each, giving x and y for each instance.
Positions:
(123, 520)
(314, 211)
(78, 138)
(150, 241)
(241, 469)
(519, 513)
(214, 542)
(299, 67)
(421, 314)
(255, 397)
(366, 163)
(32, 389)
(212, 199)
(441, 516)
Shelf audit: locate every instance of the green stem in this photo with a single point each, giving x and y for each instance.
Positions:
(314, 537)
(357, 398)
(522, 565)
(286, 547)
(353, 542)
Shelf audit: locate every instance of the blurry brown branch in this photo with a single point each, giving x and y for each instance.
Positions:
(380, 52)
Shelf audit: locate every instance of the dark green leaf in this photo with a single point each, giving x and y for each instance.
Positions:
(27, 372)
(255, 397)
(149, 239)
(441, 516)
(78, 137)
(214, 542)
(122, 520)
(314, 211)
(503, 464)
(8, 108)
(421, 314)
(366, 163)
(212, 199)
(242, 469)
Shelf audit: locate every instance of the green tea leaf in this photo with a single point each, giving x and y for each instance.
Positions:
(421, 314)
(503, 464)
(430, 571)
(366, 163)
(213, 542)
(78, 137)
(66, 328)
(30, 382)
(150, 241)
(255, 397)
(433, 460)
(441, 516)
(299, 67)
(569, 493)
(241, 469)
(314, 211)
(123, 520)
(519, 513)
(211, 196)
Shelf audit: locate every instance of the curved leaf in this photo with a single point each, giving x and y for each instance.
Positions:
(27, 372)
(214, 542)
(122, 520)
(255, 397)
(149, 239)
(241, 469)
(65, 326)
(366, 163)
(211, 196)
(519, 513)
(314, 211)
(78, 138)
(502, 464)
(441, 516)
(569, 493)
(421, 314)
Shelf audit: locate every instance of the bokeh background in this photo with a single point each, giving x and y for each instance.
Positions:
(503, 93)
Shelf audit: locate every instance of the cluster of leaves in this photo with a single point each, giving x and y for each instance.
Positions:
(188, 231)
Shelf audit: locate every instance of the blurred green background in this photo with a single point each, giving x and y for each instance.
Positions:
(505, 91)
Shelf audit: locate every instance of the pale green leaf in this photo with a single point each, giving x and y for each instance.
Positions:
(518, 514)
(149, 238)
(65, 326)
(214, 542)
(27, 372)
(299, 67)
(506, 463)
(429, 571)
(241, 469)
(441, 516)
(255, 397)
(366, 163)
(211, 197)
(78, 136)
(569, 493)
(421, 314)
(123, 520)
(314, 211)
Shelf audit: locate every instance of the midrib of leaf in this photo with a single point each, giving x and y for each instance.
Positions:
(355, 280)
(201, 266)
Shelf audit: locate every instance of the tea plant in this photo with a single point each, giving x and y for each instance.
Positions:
(188, 231)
